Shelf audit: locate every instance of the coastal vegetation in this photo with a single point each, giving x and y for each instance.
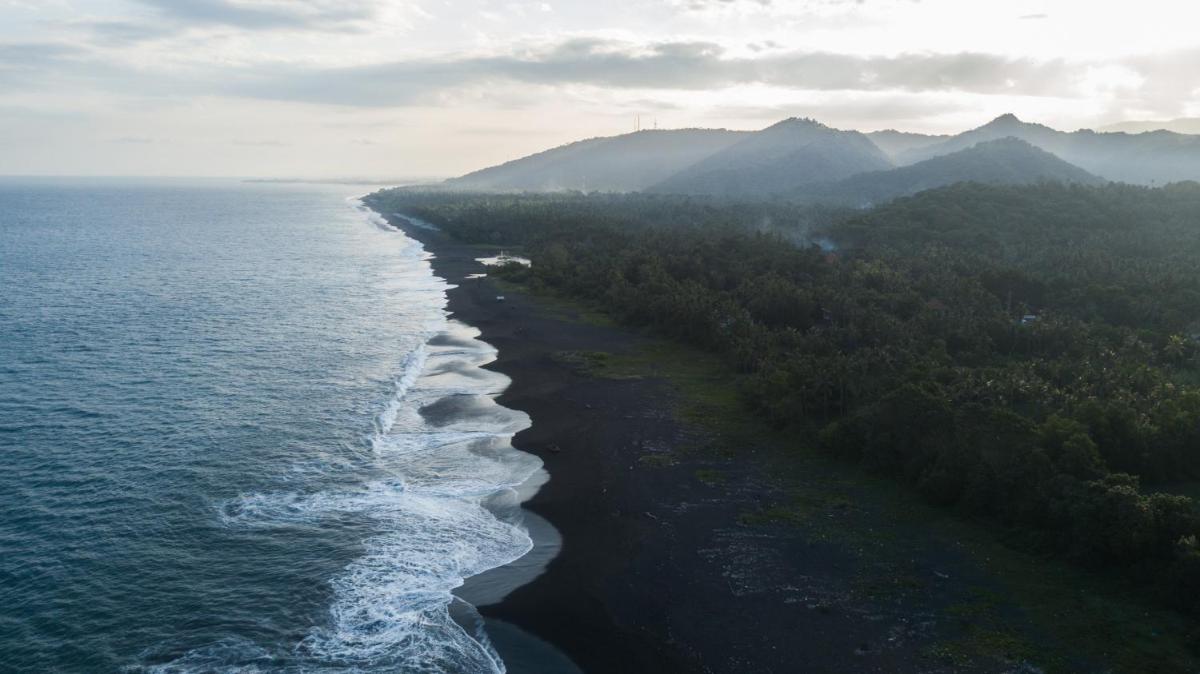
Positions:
(1024, 355)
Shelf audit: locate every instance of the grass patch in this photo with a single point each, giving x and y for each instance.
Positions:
(588, 363)
(661, 460)
(806, 507)
(980, 644)
(711, 476)
(892, 582)
(555, 303)
(774, 515)
(1044, 611)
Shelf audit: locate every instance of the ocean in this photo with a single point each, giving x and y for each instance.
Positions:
(238, 432)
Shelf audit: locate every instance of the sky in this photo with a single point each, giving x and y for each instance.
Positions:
(430, 88)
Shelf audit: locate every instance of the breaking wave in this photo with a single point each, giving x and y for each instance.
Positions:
(438, 487)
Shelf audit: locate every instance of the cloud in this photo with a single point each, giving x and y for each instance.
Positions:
(852, 109)
(1152, 82)
(1165, 82)
(718, 5)
(24, 55)
(22, 64)
(260, 143)
(663, 65)
(263, 15)
(122, 32)
(167, 18)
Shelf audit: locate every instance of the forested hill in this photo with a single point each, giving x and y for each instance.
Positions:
(779, 160)
(1007, 161)
(894, 143)
(1121, 255)
(509, 219)
(1147, 158)
(625, 163)
(1024, 355)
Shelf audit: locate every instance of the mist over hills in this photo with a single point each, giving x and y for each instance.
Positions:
(893, 142)
(802, 158)
(780, 159)
(1184, 125)
(1148, 158)
(1007, 161)
(625, 163)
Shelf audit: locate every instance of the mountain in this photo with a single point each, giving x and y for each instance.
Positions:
(624, 163)
(1004, 126)
(1146, 158)
(1007, 161)
(779, 159)
(894, 142)
(1184, 125)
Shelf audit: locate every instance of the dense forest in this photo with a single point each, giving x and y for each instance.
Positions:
(1028, 355)
(511, 219)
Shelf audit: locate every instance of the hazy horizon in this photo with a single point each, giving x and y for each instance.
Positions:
(383, 90)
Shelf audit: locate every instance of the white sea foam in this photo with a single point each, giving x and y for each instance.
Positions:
(368, 214)
(391, 606)
(410, 370)
(443, 505)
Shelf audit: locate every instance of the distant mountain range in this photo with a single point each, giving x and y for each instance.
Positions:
(1185, 125)
(1008, 161)
(802, 158)
(626, 163)
(895, 142)
(778, 160)
(1147, 158)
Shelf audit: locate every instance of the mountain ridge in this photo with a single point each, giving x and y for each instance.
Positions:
(1006, 161)
(623, 163)
(1181, 125)
(795, 154)
(779, 159)
(1158, 157)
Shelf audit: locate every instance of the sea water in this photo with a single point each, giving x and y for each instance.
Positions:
(239, 433)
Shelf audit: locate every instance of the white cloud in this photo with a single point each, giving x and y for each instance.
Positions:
(293, 82)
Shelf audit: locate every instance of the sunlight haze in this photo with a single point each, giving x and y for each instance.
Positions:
(388, 89)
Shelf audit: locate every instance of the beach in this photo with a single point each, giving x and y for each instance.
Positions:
(666, 564)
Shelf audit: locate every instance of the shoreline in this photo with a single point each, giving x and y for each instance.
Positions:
(690, 548)
(557, 605)
(659, 569)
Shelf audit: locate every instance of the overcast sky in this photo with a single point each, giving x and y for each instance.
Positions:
(390, 88)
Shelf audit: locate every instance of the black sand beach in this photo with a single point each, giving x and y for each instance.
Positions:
(682, 560)
(661, 570)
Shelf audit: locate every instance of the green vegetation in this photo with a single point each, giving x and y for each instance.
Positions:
(593, 363)
(512, 220)
(909, 350)
(1007, 161)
